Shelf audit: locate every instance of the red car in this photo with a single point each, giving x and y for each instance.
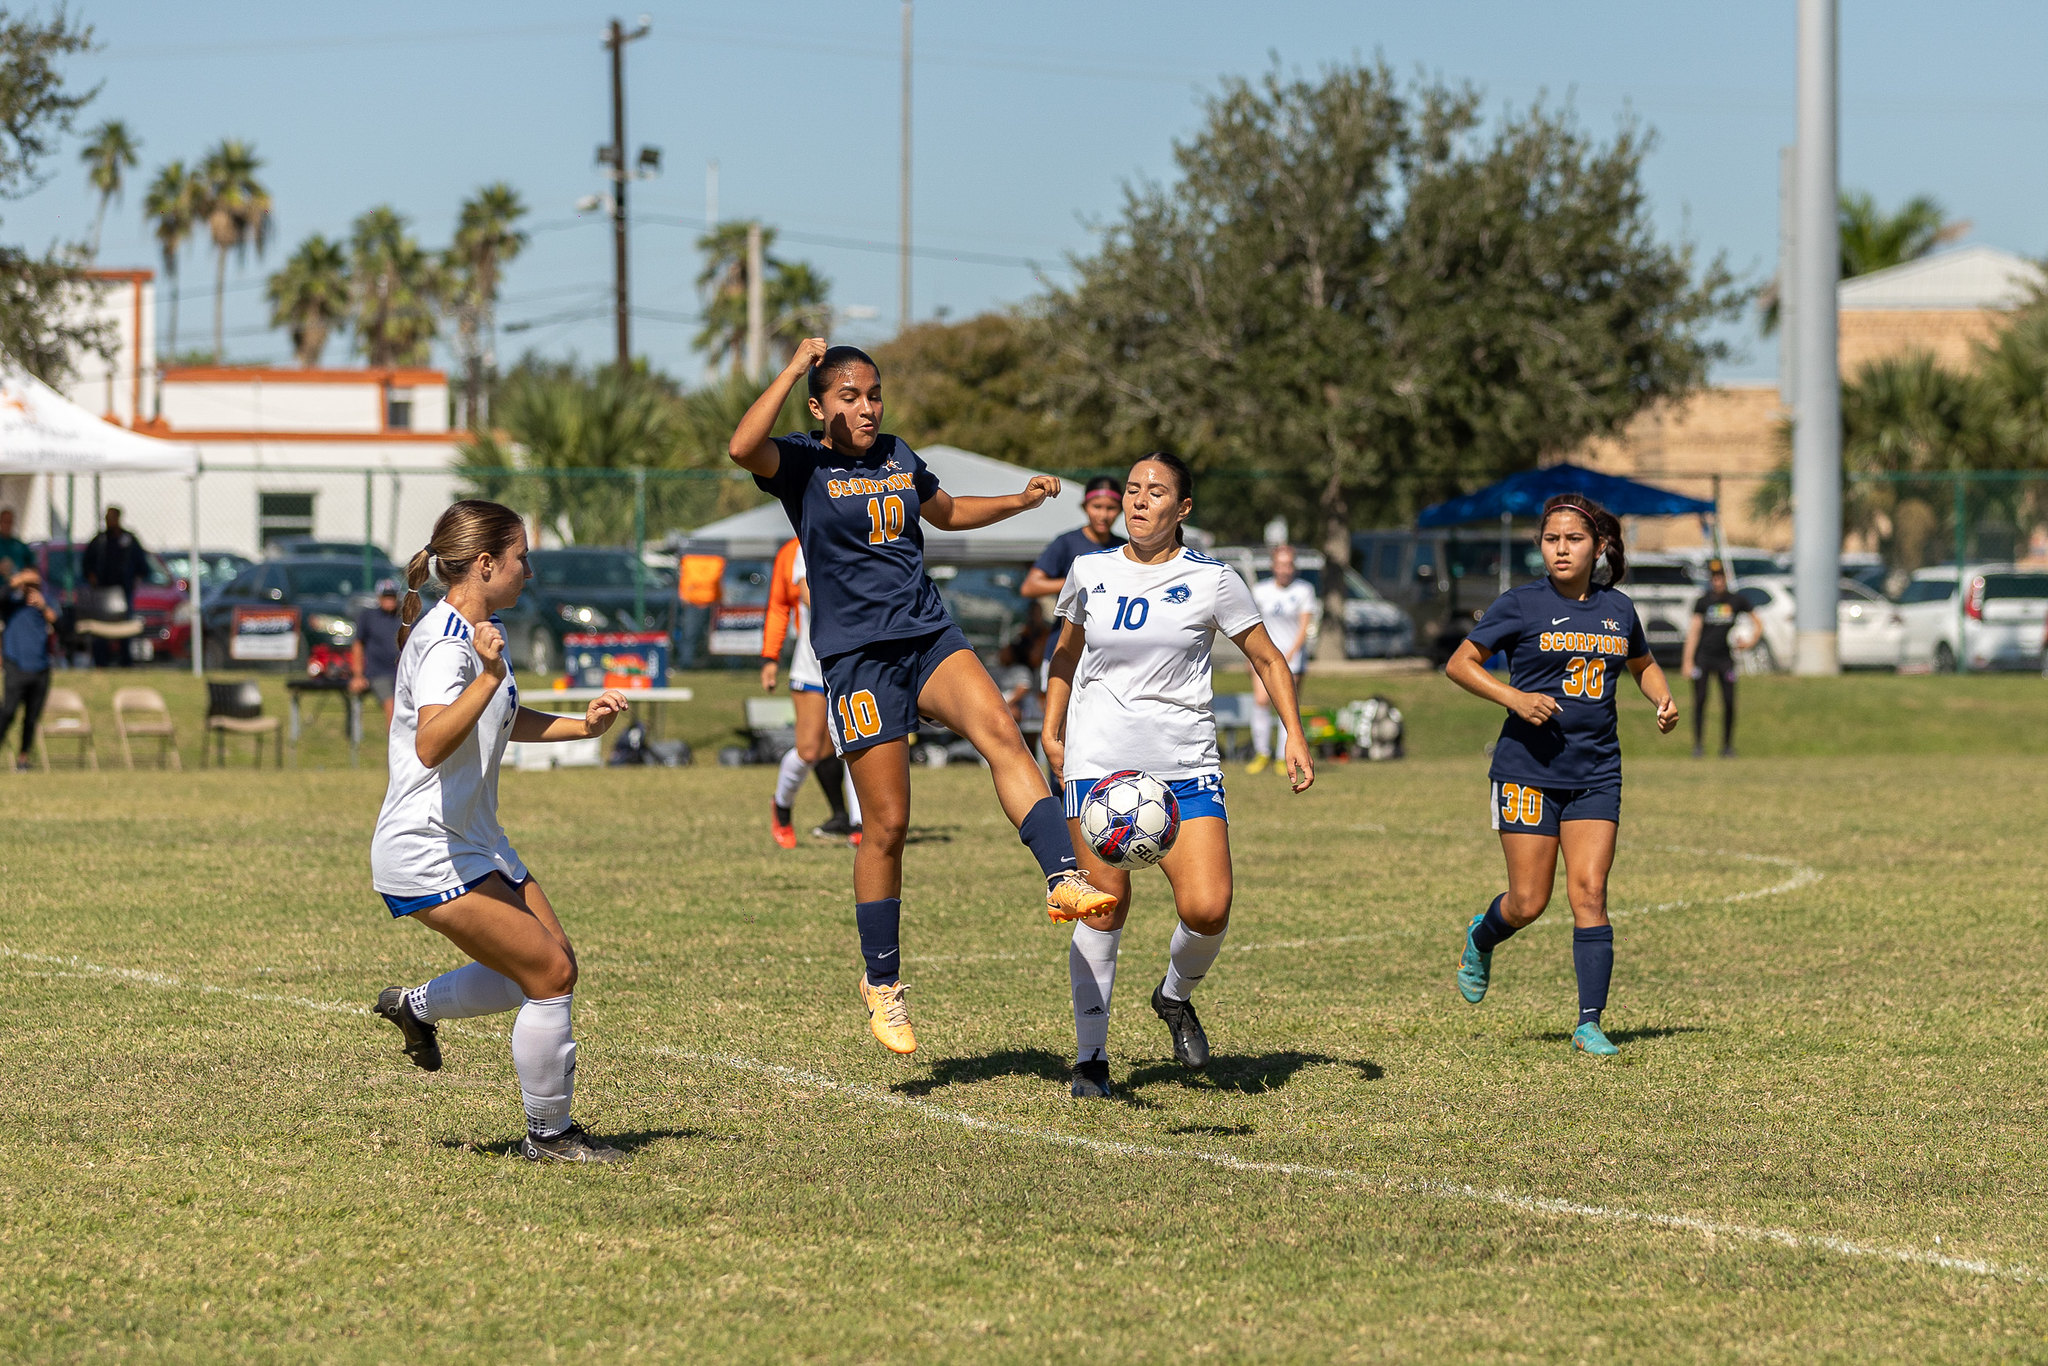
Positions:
(160, 600)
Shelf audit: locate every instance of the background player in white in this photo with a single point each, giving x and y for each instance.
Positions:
(440, 857)
(1131, 689)
(1289, 606)
(789, 609)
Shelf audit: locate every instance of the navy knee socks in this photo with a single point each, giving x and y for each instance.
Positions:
(1492, 929)
(1593, 961)
(880, 924)
(1044, 832)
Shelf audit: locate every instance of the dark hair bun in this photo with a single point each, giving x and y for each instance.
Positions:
(835, 359)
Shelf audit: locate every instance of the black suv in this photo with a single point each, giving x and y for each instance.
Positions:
(585, 589)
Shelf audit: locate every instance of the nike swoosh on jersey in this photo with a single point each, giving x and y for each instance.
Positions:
(1559, 621)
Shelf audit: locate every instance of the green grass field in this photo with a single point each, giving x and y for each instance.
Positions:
(1824, 1137)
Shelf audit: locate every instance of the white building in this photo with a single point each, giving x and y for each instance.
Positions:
(342, 454)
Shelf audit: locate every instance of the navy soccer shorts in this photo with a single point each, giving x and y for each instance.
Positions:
(871, 693)
(1525, 809)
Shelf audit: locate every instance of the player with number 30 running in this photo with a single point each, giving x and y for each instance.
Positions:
(1557, 767)
(890, 650)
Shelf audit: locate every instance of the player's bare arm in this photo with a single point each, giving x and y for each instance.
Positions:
(1468, 670)
(1693, 630)
(542, 727)
(1271, 667)
(948, 513)
(750, 447)
(1650, 678)
(443, 729)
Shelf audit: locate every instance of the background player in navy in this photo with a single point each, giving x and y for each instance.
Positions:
(1104, 503)
(889, 648)
(1557, 767)
(1708, 656)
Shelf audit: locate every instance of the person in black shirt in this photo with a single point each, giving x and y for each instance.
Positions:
(114, 559)
(373, 659)
(1709, 655)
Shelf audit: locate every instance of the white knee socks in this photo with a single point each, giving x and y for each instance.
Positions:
(789, 779)
(1189, 958)
(544, 1056)
(1262, 729)
(1091, 966)
(469, 991)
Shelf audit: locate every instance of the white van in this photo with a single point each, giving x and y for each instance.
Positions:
(2003, 613)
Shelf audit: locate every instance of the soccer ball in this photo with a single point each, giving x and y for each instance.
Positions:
(1130, 819)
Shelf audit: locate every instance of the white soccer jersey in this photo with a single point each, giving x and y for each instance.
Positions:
(1282, 609)
(1141, 691)
(804, 669)
(439, 827)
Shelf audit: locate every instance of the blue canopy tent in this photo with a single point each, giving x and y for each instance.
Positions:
(1523, 495)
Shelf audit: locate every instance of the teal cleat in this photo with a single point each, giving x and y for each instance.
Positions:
(1475, 969)
(1588, 1038)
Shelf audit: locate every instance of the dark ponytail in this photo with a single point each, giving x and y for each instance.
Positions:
(835, 359)
(1611, 566)
(1183, 481)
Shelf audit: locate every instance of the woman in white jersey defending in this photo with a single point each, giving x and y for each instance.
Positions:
(1130, 688)
(439, 855)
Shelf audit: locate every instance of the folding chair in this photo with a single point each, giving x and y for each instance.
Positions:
(237, 709)
(65, 718)
(140, 713)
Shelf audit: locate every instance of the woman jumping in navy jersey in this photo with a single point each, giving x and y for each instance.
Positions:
(1557, 767)
(889, 648)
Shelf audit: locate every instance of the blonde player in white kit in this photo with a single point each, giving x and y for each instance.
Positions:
(1130, 688)
(1289, 606)
(440, 856)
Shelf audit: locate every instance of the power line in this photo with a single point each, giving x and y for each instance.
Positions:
(815, 239)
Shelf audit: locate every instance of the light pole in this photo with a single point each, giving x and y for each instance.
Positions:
(613, 159)
(903, 203)
(1817, 386)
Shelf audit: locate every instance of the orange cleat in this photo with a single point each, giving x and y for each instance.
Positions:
(888, 1015)
(785, 833)
(1071, 897)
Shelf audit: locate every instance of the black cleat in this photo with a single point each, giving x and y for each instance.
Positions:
(1190, 1044)
(1091, 1080)
(421, 1045)
(837, 826)
(573, 1144)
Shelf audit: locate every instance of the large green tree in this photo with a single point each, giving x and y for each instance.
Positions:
(1355, 290)
(40, 327)
(397, 288)
(310, 296)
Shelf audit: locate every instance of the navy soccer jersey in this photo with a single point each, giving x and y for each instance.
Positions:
(857, 518)
(1577, 653)
(1059, 555)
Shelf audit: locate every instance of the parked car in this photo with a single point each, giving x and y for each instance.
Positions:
(586, 589)
(1443, 580)
(1999, 624)
(1373, 627)
(312, 547)
(159, 601)
(1664, 589)
(1869, 629)
(329, 591)
(217, 568)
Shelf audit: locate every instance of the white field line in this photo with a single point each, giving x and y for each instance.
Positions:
(68, 965)
(1710, 1229)
(1801, 875)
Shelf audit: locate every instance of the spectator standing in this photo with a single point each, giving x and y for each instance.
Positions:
(373, 659)
(14, 552)
(25, 621)
(113, 560)
(1289, 606)
(1709, 654)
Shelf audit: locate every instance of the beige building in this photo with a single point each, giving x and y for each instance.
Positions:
(1726, 439)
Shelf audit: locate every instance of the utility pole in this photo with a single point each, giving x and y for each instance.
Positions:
(1817, 386)
(614, 159)
(903, 206)
(757, 311)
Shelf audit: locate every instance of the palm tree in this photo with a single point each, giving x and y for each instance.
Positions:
(236, 207)
(397, 285)
(172, 210)
(486, 239)
(1872, 239)
(108, 156)
(795, 301)
(794, 296)
(310, 296)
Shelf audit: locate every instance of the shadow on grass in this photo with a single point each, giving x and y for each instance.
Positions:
(630, 1142)
(1247, 1076)
(1213, 1130)
(1621, 1036)
(929, 834)
(1008, 1062)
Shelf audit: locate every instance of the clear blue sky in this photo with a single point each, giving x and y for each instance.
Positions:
(1028, 121)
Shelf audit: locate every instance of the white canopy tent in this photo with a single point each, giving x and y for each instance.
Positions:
(42, 432)
(760, 532)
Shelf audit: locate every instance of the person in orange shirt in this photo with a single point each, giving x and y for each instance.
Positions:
(789, 596)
